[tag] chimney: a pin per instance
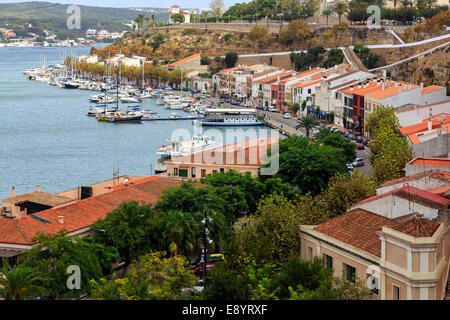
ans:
(38, 188)
(382, 86)
(13, 192)
(61, 219)
(421, 85)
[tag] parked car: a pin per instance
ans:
(346, 134)
(351, 136)
(197, 266)
(287, 115)
(349, 169)
(360, 146)
(199, 287)
(272, 109)
(208, 95)
(359, 139)
(358, 162)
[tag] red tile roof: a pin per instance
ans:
(243, 153)
(357, 228)
(176, 63)
(83, 213)
(413, 194)
(417, 227)
(430, 162)
(423, 126)
(431, 89)
(440, 190)
(437, 174)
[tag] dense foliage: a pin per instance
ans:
(309, 165)
(54, 254)
(151, 277)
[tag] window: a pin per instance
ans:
(328, 261)
(193, 172)
(310, 253)
(309, 91)
(214, 172)
(183, 173)
(203, 173)
(395, 292)
(175, 171)
(222, 170)
(349, 272)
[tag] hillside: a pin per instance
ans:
(53, 16)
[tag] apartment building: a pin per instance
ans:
(397, 241)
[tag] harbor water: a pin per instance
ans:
(46, 138)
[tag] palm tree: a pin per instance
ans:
(153, 20)
(20, 283)
(340, 8)
(429, 4)
(307, 123)
(147, 19)
(205, 16)
(405, 4)
(327, 13)
(181, 231)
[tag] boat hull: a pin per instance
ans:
(225, 124)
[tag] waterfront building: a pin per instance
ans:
(246, 156)
(22, 205)
(17, 234)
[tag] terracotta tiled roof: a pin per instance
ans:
(357, 228)
(440, 190)
(430, 162)
(81, 214)
(423, 126)
(44, 198)
(308, 83)
(413, 194)
(431, 89)
(243, 153)
(176, 63)
(417, 227)
(437, 174)
(391, 91)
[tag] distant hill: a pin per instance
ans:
(53, 16)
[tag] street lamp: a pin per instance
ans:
(206, 241)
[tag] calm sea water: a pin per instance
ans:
(47, 139)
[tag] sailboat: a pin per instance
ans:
(118, 116)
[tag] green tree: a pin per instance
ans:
(258, 34)
(296, 33)
(131, 228)
(177, 18)
(340, 8)
(308, 165)
(307, 123)
(343, 191)
(151, 277)
(294, 108)
(51, 258)
(382, 116)
(302, 275)
(230, 59)
(20, 283)
(334, 139)
(327, 13)
(271, 234)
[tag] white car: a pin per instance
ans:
(287, 115)
(272, 109)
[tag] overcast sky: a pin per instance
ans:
(139, 3)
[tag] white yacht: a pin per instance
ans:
(177, 148)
